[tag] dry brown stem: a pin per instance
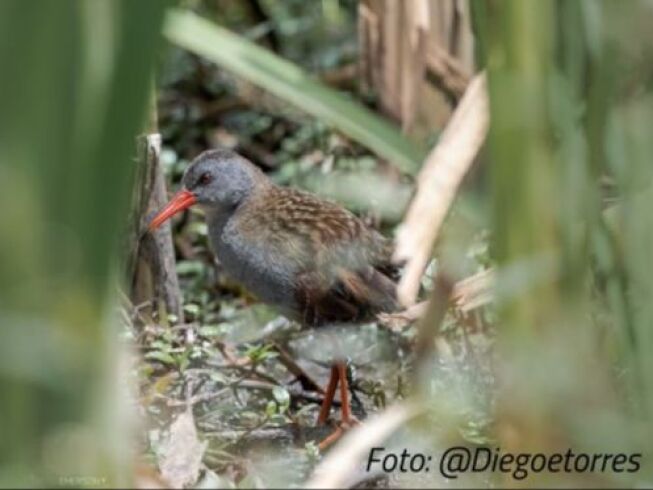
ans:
(437, 185)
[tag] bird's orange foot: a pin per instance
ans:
(343, 427)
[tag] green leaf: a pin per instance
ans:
(157, 355)
(199, 227)
(218, 377)
(259, 353)
(270, 408)
(160, 345)
(190, 267)
(281, 395)
(210, 330)
(192, 309)
(290, 83)
(278, 418)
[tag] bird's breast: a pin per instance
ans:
(263, 271)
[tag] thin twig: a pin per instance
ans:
(302, 376)
(294, 393)
(467, 295)
(474, 291)
(204, 397)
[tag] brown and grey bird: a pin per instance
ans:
(312, 259)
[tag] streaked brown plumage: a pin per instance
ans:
(338, 262)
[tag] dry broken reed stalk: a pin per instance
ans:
(437, 185)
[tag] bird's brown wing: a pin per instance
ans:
(350, 296)
(343, 267)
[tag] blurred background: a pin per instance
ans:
(504, 144)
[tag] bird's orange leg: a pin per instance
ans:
(345, 407)
(328, 396)
(347, 419)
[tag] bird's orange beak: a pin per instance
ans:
(182, 200)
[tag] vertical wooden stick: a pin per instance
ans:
(152, 262)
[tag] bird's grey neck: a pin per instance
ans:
(217, 218)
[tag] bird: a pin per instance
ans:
(312, 259)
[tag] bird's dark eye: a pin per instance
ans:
(205, 179)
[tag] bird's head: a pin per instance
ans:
(217, 180)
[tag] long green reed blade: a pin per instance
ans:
(290, 83)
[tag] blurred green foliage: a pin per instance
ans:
(75, 75)
(572, 108)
